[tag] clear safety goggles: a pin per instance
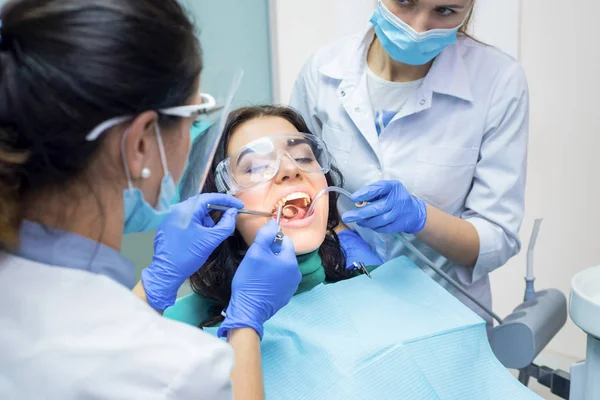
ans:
(260, 160)
(208, 106)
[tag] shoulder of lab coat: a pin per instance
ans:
(482, 75)
(306, 88)
(80, 335)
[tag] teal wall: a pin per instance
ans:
(235, 34)
(230, 40)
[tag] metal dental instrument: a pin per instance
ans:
(360, 267)
(290, 211)
(242, 211)
(279, 211)
(339, 190)
(278, 241)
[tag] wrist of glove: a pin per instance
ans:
(420, 216)
(161, 284)
(241, 316)
(357, 250)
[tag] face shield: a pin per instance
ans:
(211, 111)
(204, 145)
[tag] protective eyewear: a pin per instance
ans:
(260, 160)
(198, 111)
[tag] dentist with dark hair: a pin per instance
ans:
(97, 100)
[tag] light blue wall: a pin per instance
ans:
(233, 34)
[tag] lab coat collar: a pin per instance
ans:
(448, 74)
(68, 250)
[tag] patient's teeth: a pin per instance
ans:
(293, 196)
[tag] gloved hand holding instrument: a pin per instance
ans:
(178, 252)
(390, 209)
(264, 282)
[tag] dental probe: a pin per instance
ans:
(242, 211)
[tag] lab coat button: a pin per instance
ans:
(343, 93)
(422, 102)
(357, 109)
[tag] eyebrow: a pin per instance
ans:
(247, 151)
(447, 5)
(450, 6)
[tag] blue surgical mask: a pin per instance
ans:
(140, 216)
(406, 45)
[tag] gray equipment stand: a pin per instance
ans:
(526, 332)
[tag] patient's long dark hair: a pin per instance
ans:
(213, 280)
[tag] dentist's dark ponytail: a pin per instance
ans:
(68, 65)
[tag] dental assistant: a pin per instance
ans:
(431, 127)
(97, 99)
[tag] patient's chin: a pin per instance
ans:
(306, 242)
(309, 238)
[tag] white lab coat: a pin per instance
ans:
(460, 143)
(70, 334)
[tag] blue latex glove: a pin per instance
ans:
(179, 253)
(392, 209)
(357, 250)
(263, 283)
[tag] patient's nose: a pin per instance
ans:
(288, 171)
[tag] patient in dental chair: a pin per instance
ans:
(266, 158)
(399, 335)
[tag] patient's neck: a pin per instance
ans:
(312, 270)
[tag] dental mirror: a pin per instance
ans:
(290, 211)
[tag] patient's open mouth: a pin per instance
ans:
(294, 205)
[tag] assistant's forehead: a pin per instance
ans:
(445, 3)
(256, 129)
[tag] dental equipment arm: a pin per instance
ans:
(447, 278)
(412, 248)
